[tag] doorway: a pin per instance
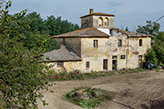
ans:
(114, 64)
(105, 64)
(140, 61)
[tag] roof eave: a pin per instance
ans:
(62, 60)
(83, 36)
(141, 36)
(97, 15)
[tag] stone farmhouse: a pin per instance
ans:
(98, 46)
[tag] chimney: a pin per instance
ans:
(91, 11)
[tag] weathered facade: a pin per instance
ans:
(100, 46)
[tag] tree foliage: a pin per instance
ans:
(57, 26)
(42, 41)
(150, 28)
(38, 32)
(159, 39)
(155, 54)
(21, 76)
(126, 29)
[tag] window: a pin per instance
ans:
(87, 64)
(119, 43)
(106, 21)
(59, 64)
(122, 56)
(140, 42)
(140, 56)
(95, 43)
(114, 57)
(111, 31)
(100, 21)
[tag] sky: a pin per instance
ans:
(128, 13)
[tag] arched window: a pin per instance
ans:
(100, 21)
(85, 24)
(106, 21)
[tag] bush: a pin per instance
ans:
(93, 99)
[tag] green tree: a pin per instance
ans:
(151, 56)
(159, 39)
(150, 28)
(35, 21)
(42, 42)
(159, 53)
(57, 26)
(21, 76)
(155, 54)
(126, 29)
(53, 25)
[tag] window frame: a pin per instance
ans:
(111, 31)
(140, 42)
(100, 21)
(60, 63)
(95, 43)
(105, 64)
(87, 64)
(119, 42)
(122, 56)
(114, 57)
(139, 56)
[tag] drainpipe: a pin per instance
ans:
(127, 53)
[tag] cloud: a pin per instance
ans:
(113, 4)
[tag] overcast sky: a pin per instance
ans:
(129, 13)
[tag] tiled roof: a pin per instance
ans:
(100, 14)
(86, 32)
(133, 34)
(65, 53)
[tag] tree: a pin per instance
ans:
(53, 25)
(150, 28)
(21, 75)
(159, 39)
(57, 26)
(159, 53)
(126, 29)
(35, 21)
(155, 54)
(42, 41)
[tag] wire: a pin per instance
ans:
(159, 18)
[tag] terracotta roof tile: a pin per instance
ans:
(100, 14)
(65, 53)
(133, 34)
(86, 32)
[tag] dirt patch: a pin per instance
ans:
(135, 91)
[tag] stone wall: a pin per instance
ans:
(107, 48)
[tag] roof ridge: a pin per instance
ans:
(98, 13)
(72, 31)
(129, 33)
(90, 31)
